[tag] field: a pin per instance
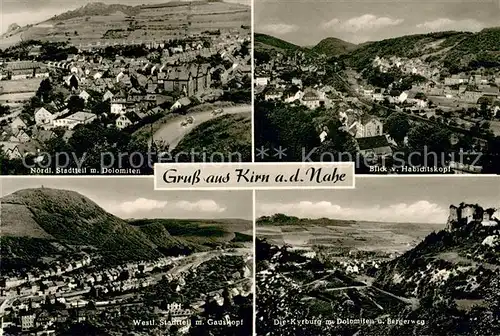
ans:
(366, 236)
(18, 91)
(22, 85)
(147, 24)
(14, 99)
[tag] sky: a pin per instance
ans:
(306, 22)
(134, 197)
(384, 199)
(25, 12)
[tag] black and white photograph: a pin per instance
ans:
(398, 87)
(123, 84)
(110, 256)
(395, 256)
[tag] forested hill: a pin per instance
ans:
(457, 51)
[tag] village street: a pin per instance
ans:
(172, 131)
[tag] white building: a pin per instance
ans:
(44, 117)
(78, 118)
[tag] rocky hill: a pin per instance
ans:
(12, 28)
(38, 223)
(458, 265)
(97, 9)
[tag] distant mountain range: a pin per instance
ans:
(457, 51)
(33, 220)
(330, 46)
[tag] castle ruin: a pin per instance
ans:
(466, 213)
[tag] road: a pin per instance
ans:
(172, 132)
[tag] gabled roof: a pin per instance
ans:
(366, 118)
(373, 142)
(132, 116)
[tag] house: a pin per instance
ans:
(466, 164)
(84, 95)
(119, 104)
(189, 79)
(124, 79)
(43, 135)
(492, 91)
(17, 150)
(290, 97)
(134, 95)
(78, 118)
(297, 82)
(374, 147)
(44, 117)
(27, 320)
(180, 103)
(323, 135)
(273, 94)
(366, 126)
(311, 99)
(18, 123)
(35, 51)
(107, 95)
(152, 84)
(21, 70)
(470, 96)
(127, 119)
(22, 136)
(402, 97)
(262, 80)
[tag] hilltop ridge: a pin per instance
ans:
(34, 219)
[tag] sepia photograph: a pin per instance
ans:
(122, 85)
(398, 87)
(395, 256)
(110, 256)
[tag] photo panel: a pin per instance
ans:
(113, 87)
(110, 256)
(398, 87)
(395, 256)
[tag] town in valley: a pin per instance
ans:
(70, 267)
(343, 264)
(418, 99)
(140, 83)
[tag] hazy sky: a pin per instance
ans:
(306, 22)
(25, 12)
(129, 197)
(387, 199)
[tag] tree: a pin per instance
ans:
(397, 126)
(433, 140)
(44, 90)
(73, 82)
(4, 110)
(76, 103)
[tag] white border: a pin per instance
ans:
(252, 91)
(427, 175)
(254, 275)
